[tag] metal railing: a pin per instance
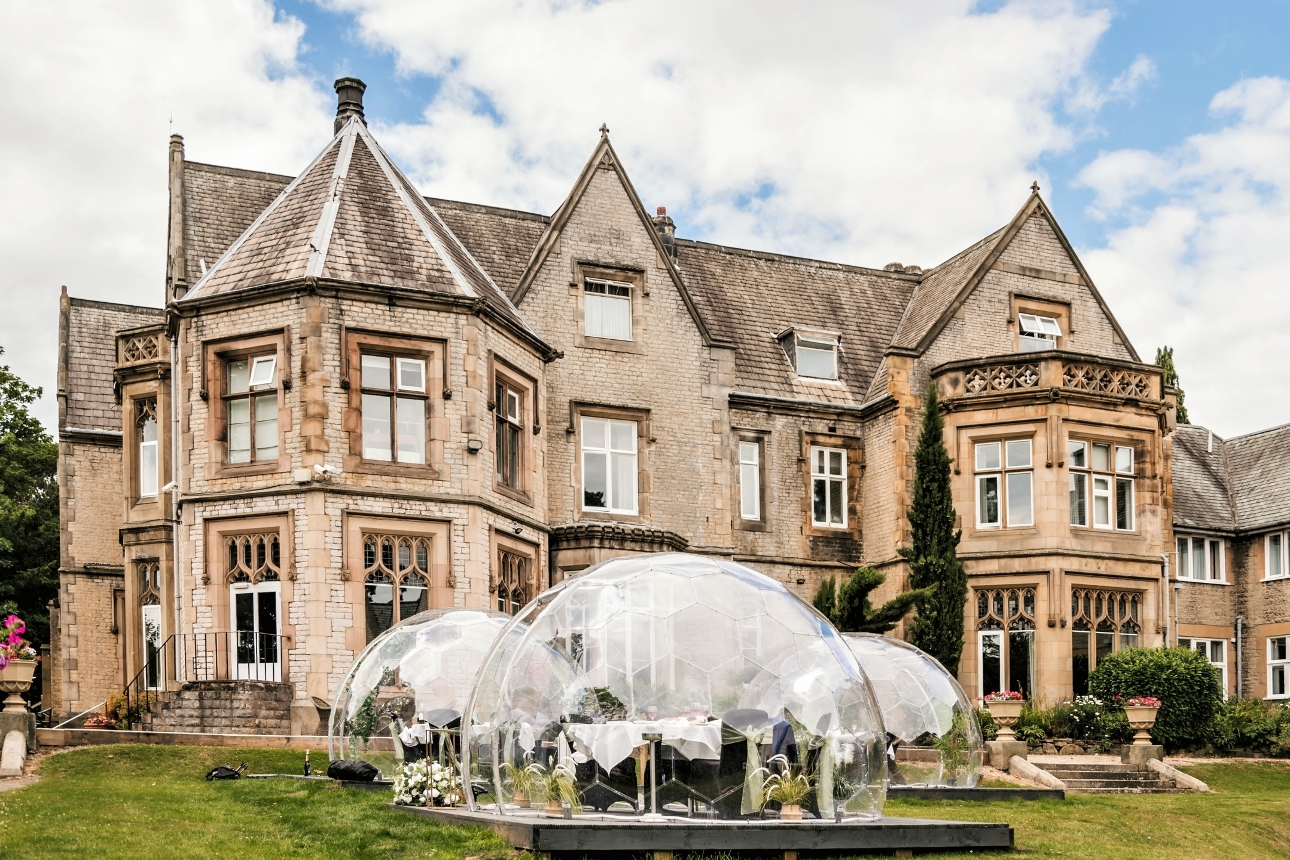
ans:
(219, 656)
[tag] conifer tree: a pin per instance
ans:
(1169, 374)
(935, 569)
(849, 608)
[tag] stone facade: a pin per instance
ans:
(726, 444)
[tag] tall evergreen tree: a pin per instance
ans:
(1165, 361)
(935, 569)
(849, 608)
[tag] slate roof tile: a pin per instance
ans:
(91, 359)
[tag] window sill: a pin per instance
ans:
(240, 470)
(396, 470)
(752, 525)
(1201, 581)
(609, 344)
(1275, 579)
(512, 493)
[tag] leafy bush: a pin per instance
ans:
(1032, 735)
(1184, 681)
(1053, 721)
(989, 729)
(1252, 724)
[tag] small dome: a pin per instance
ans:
(922, 706)
(421, 670)
(720, 665)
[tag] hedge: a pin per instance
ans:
(1186, 684)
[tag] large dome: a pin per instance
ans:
(715, 665)
(421, 670)
(925, 709)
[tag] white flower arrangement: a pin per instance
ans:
(426, 783)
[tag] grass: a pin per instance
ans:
(147, 801)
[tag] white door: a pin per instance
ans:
(151, 642)
(257, 649)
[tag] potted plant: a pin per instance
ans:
(954, 748)
(1005, 709)
(1141, 712)
(559, 785)
(787, 785)
(525, 781)
(17, 664)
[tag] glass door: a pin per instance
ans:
(151, 642)
(257, 654)
(990, 654)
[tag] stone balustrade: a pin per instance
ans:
(1048, 374)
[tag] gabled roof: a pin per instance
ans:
(604, 156)
(1260, 464)
(1240, 484)
(1201, 484)
(947, 286)
(352, 216)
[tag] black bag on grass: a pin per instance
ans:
(352, 771)
(226, 772)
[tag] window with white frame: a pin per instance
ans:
(146, 426)
(1276, 555)
(1101, 485)
(750, 480)
(817, 357)
(609, 465)
(1213, 650)
(829, 487)
(607, 309)
(251, 407)
(1201, 559)
(394, 403)
(1279, 667)
(1004, 484)
(1037, 333)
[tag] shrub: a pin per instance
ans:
(1252, 724)
(1033, 735)
(989, 729)
(1054, 722)
(1184, 681)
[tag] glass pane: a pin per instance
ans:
(1020, 506)
(608, 316)
(837, 462)
(991, 664)
(819, 501)
(1102, 458)
(262, 370)
(1124, 460)
(987, 455)
(239, 431)
(1124, 504)
(1216, 652)
(988, 500)
(1079, 661)
(380, 608)
(1105, 644)
(1184, 559)
(423, 555)
(376, 427)
(1077, 455)
(1019, 454)
(1216, 559)
(412, 430)
(815, 362)
(513, 407)
(817, 461)
(266, 427)
(376, 371)
(1279, 648)
(749, 491)
(624, 482)
(148, 432)
(1079, 500)
(148, 469)
(268, 615)
(1102, 502)
(1275, 561)
(1198, 559)
(1021, 662)
(837, 506)
(622, 435)
(387, 554)
(414, 597)
(1278, 680)
(412, 374)
(748, 452)
(244, 619)
(595, 433)
(512, 463)
(405, 554)
(1128, 640)
(595, 480)
(238, 376)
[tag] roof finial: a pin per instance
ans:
(604, 130)
(1034, 187)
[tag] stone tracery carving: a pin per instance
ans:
(1005, 609)
(253, 558)
(1004, 377)
(141, 347)
(1104, 380)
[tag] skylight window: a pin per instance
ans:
(1038, 333)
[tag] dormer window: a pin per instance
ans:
(1038, 333)
(814, 355)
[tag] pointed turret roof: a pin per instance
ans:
(352, 216)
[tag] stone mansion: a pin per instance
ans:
(357, 403)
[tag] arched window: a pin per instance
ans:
(1102, 622)
(393, 562)
(253, 558)
(513, 581)
(1005, 622)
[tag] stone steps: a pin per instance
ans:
(223, 707)
(1087, 778)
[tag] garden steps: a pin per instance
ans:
(223, 707)
(1097, 778)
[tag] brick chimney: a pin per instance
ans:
(349, 101)
(666, 231)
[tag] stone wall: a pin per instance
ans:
(90, 663)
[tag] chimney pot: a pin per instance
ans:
(662, 210)
(349, 102)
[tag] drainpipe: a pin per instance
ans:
(176, 580)
(1164, 558)
(1239, 637)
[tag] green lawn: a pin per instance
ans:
(145, 801)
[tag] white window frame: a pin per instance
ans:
(749, 480)
(1282, 552)
(1208, 652)
(1007, 476)
(823, 455)
(148, 477)
(1104, 484)
(407, 438)
(609, 452)
(262, 371)
(1279, 664)
(819, 344)
(981, 636)
(1037, 333)
(1186, 568)
(609, 302)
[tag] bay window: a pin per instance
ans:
(1102, 622)
(394, 407)
(1101, 485)
(1004, 484)
(609, 465)
(1005, 623)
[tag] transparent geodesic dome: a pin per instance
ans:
(417, 674)
(925, 710)
(714, 671)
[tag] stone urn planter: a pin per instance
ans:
(790, 812)
(1005, 714)
(15, 679)
(1141, 719)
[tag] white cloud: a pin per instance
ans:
(88, 95)
(1201, 258)
(1090, 96)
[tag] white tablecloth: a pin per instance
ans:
(610, 743)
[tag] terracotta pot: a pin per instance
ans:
(1142, 719)
(554, 807)
(1005, 714)
(521, 800)
(15, 679)
(790, 812)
